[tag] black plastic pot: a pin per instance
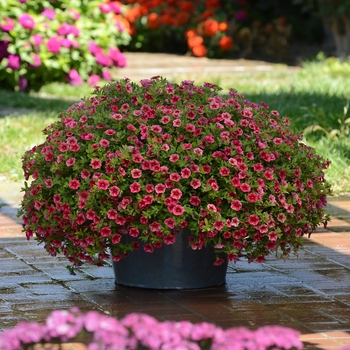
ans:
(175, 266)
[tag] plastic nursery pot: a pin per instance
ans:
(175, 266)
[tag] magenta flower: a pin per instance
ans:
(103, 60)
(102, 184)
(50, 14)
(94, 48)
(74, 78)
(36, 61)
(93, 79)
(135, 187)
(7, 25)
(106, 75)
(75, 15)
(74, 184)
(26, 21)
(36, 39)
(54, 44)
(14, 62)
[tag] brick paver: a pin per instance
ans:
(309, 293)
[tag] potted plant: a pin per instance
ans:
(162, 163)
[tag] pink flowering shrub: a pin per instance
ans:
(65, 40)
(147, 160)
(140, 331)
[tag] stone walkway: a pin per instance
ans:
(309, 293)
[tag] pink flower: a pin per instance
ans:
(26, 21)
(253, 197)
(268, 175)
(102, 184)
(236, 182)
(178, 210)
(136, 173)
(194, 200)
(74, 77)
(135, 187)
(195, 183)
(244, 187)
(273, 235)
(258, 167)
(236, 205)
(170, 222)
(74, 184)
(218, 225)
(112, 214)
(70, 161)
(148, 248)
(7, 25)
(175, 177)
(95, 163)
(224, 171)
(176, 193)
(281, 217)
(105, 231)
(174, 158)
(160, 188)
(104, 143)
(197, 151)
(170, 239)
(253, 220)
(155, 226)
(134, 232)
(185, 173)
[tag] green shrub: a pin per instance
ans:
(63, 40)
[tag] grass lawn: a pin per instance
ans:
(314, 95)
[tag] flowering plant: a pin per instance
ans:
(207, 28)
(147, 160)
(66, 40)
(140, 331)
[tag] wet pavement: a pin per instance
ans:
(309, 293)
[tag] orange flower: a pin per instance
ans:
(223, 26)
(199, 51)
(210, 26)
(153, 21)
(194, 41)
(226, 43)
(190, 33)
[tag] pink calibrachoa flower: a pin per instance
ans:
(74, 184)
(135, 187)
(102, 184)
(26, 21)
(178, 210)
(70, 161)
(148, 166)
(236, 205)
(95, 163)
(195, 183)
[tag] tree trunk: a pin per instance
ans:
(340, 28)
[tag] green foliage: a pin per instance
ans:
(333, 134)
(64, 40)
